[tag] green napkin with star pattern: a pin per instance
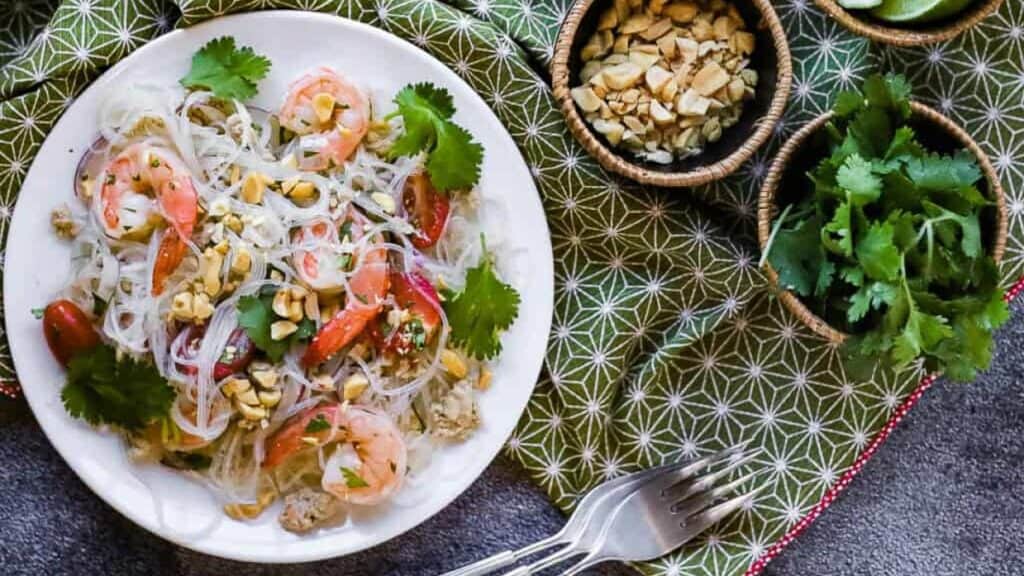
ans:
(665, 339)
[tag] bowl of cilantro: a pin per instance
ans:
(882, 223)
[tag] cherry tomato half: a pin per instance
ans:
(238, 353)
(416, 294)
(427, 208)
(68, 330)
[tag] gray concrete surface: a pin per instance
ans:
(944, 497)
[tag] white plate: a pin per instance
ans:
(37, 266)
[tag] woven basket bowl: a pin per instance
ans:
(796, 157)
(861, 22)
(771, 60)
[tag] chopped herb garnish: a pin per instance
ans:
(353, 480)
(344, 261)
(416, 332)
(38, 313)
(346, 229)
(318, 424)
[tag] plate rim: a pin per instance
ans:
(306, 553)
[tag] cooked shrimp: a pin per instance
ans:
(330, 116)
(323, 266)
(367, 287)
(297, 435)
(368, 462)
(366, 290)
(373, 454)
(139, 184)
(138, 181)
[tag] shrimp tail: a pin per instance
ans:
(169, 255)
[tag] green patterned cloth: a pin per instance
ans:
(665, 338)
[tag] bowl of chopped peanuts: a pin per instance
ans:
(671, 92)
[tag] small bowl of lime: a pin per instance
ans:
(909, 22)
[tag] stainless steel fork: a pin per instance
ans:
(662, 514)
(593, 508)
(584, 526)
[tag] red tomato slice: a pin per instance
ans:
(416, 294)
(68, 330)
(427, 208)
(237, 361)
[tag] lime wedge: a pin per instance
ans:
(918, 11)
(858, 4)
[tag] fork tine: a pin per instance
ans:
(694, 525)
(682, 490)
(693, 504)
(696, 466)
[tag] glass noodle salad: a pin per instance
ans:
(292, 304)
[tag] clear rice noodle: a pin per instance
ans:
(317, 247)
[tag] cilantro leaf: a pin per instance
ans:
(256, 314)
(847, 103)
(225, 70)
(904, 144)
(481, 311)
(872, 296)
(877, 254)
(937, 172)
(852, 275)
(453, 157)
(856, 177)
(798, 257)
(921, 333)
(455, 161)
(871, 130)
(890, 92)
(352, 479)
(104, 389)
(837, 234)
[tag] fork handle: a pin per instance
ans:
(546, 562)
(588, 561)
(506, 558)
(485, 566)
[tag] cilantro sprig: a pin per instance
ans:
(886, 242)
(453, 158)
(484, 308)
(104, 389)
(256, 314)
(227, 71)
